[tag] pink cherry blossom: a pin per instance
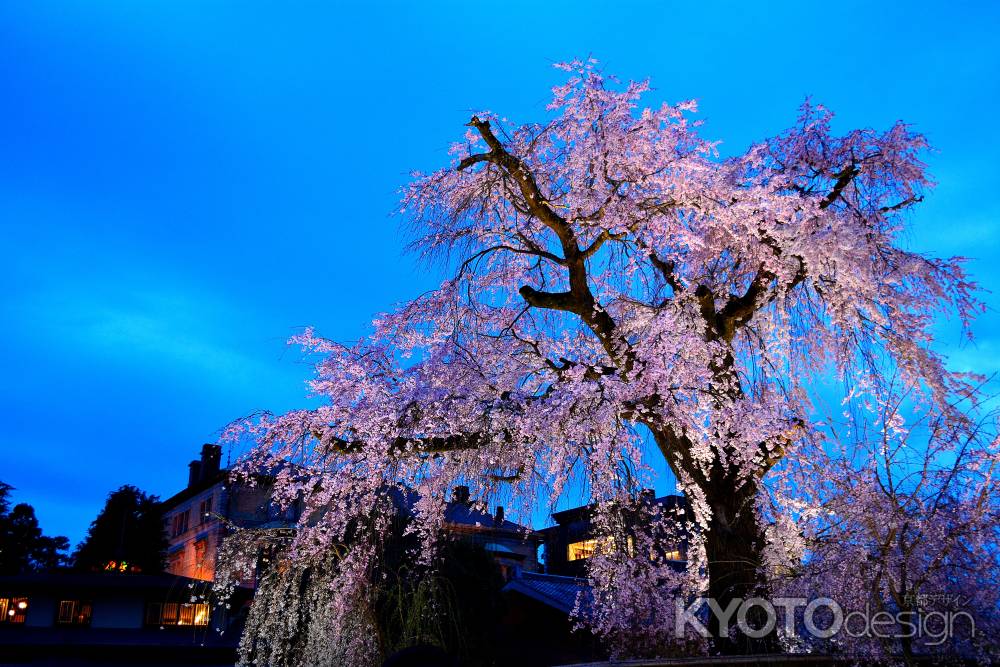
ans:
(610, 279)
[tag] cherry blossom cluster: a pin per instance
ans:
(611, 278)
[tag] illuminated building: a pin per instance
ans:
(195, 519)
(574, 538)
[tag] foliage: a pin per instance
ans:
(23, 547)
(127, 536)
(300, 610)
(613, 279)
(898, 514)
(456, 606)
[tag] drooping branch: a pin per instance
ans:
(535, 251)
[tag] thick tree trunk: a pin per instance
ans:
(734, 547)
(734, 544)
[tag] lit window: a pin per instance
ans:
(13, 610)
(187, 615)
(201, 614)
(203, 568)
(674, 555)
(74, 612)
(121, 566)
(173, 613)
(169, 616)
(200, 550)
(587, 548)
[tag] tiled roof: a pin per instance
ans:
(555, 591)
(459, 513)
(467, 515)
(66, 578)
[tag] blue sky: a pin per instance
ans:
(185, 184)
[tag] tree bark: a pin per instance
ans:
(734, 544)
(734, 538)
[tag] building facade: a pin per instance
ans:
(197, 518)
(574, 538)
(192, 518)
(69, 618)
(514, 547)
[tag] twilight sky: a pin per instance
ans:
(185, 184)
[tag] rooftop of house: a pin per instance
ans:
(585, 512)
(64, 579)
(207, 472)
(203, 473)
(555, 591)
(460, 513)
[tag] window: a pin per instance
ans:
(200, 552)
(74, 612)
(175, 562)
(180, 523)
(153, 611)
(201, 614)
(587, 548)
(205, 511)
(13, 610)
(186, 615)
(674, 554)
(173, 613)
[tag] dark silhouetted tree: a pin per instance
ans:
(126, 536)
(23, 547)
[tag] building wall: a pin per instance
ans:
(41, 612)
(192, 552)
(117, 611)
(575, 527)
(114, 600)
(557, 541)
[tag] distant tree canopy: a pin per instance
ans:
(127, 535)
(23, 547)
